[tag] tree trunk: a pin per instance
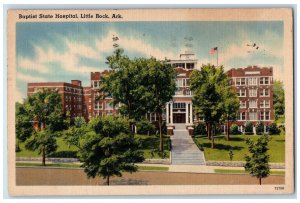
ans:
(44, 156)
(161, 144)
(212, 137)
(209, 130)
(227, 131)
(260, 181)
(107, 180)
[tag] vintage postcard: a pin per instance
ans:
(150, 101)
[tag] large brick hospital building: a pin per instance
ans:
(253, 85)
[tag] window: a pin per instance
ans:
(178, 92)
(252, 81)
(187, 82)
(261, 116)
(95, 83)
(241, 92)
(252, 103)
(108, 105)
(264, 81)
(190, 66)
(264, 92)
(252, 93)
(179, 106)
(267, 115)
(262, 104)
(90, 107)
(179, 83)
(241, 81)
(242, 104)
(243, 116)
(252, 116)
(188, 92)
(267, 103)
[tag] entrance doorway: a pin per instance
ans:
(178, 117)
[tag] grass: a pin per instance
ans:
(153, 168)
(229, 171)
(150, 144)
(140, 168)
(49, 165)
(237, 144)
(63, 150)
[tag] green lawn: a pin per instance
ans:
(226, 171)
(150, 144)
(239, 148)
(140, 168)
(63, 150)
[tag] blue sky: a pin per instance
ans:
(71, 50)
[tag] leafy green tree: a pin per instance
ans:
(258, 162)
(259, 128)
(249, 128)
(200, 129)
(231, 106)
(273, 129)
(44, 141)
(73, 135)
(145, 127)
(108, 148)
(278, 98)
(234, 129)
(23, 123)
(124, 85)
(159, 81)
(207, 86)
(43, 110)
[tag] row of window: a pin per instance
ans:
(69, 107)
(253, 92)
(253, 104)
(253, 116)
(182, 82)
(69, 98)
(96, 83)
(252, 81)
(70, 89)
(184, 65)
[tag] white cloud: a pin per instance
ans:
(29, 78)
(28, 64)
(133, 45)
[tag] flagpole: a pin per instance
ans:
(217, 56)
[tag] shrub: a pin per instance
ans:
(144, 126)
(234, 130)
(249, 128)
(200, 129)
(273, 129)
(259, 128)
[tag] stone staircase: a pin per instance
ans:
(184, 150)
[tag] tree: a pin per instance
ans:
(278, 98)
(258, 162)
(43, 110)
(249, 128)
(73, 135)
(273, 129)
(207, 86)
(44, 141)
(259, 128)
(108, 148)
(140, 85)
(160, 85)
(23, 123)
(234, 129)
(124, 85)
(231, 106)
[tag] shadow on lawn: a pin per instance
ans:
(222, 146)
(64, 154)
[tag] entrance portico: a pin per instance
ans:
(179, 112)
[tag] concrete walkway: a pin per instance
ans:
(184, 150)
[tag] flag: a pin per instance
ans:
(212, 50)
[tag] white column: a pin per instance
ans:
(191, 113)
(186, 113)
(167, 113)
(171, 113)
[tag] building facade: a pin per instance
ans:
(180, 109)
(72, 94)
(254, 88)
